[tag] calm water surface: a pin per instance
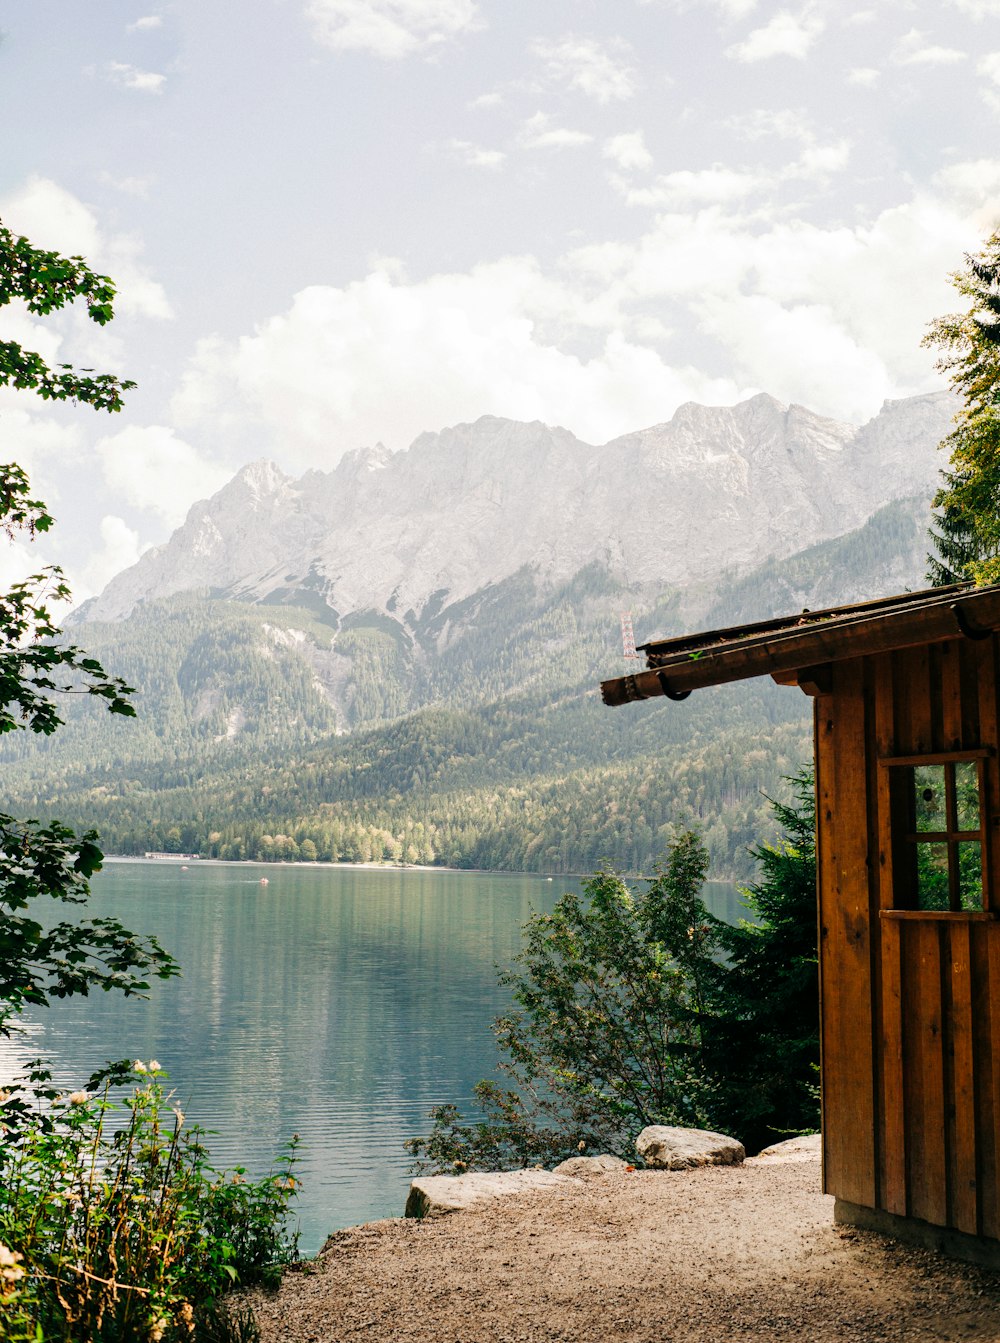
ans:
(336, 1003)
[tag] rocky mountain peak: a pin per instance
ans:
(714, 489)
(256, 481)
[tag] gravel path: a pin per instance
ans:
(705, 1256)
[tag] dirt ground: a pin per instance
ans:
(703, 1256)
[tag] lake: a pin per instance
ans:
(337, 1003)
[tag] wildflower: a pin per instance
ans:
(138, 1066)
(461, 1165)
(581, 1147)
(5, 1096)
(157, 1329)
(78, 1098)
(154, 1065)
(178, 1115)
(185, 1316)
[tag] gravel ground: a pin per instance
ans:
(704, 1256)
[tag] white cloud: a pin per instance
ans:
(787, 34)
(44, 336)
(157, 471)
(537, 133)
(829, 316)
(736, 9)
(486, 100)
(860, 18)
(978, 9)
(989, 65)
(390, 29)
(144, 24)
(784, 123)
(379, 360)
(30, 436)
(724, 185)
(600, 70)
(628, 151)
(974, 188)
(18, 561)
(914, 49)
(131, 77)
(56, 219)
(865, 75)
(120, 548)
(128, 186)
(704, 186)
(815, 350)
(819, 161)
(476, 156)
(731, 9)
(815, 160)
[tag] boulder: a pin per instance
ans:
(437, 1195)
(807, 1148)
(586, 1167)
(665, 1148)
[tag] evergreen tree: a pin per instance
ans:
(763, 1045)
(966, 532)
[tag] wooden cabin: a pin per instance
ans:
(906, 695)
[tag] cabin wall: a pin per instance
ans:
(910, 1001)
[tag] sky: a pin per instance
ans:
(340, 222)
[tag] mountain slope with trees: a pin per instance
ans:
(487, 749)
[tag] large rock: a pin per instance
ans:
(807, 1148)
(665, 1148)
(586, 1167)
(437, 1195)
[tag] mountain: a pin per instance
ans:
(264, 733)
(414, 534)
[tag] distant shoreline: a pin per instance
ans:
(181, 861)
(187, 860)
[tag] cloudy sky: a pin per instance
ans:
(335, 222)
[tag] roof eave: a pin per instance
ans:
(789, 649)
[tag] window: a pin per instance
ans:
(938, 831)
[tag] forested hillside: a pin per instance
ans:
(476, 738)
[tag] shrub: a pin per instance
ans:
(606, 1036)
(114, 1227)
(638, 1007)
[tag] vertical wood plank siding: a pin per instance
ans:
(845, 929)
(910, 1019)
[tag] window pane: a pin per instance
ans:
(967, 794)
(932, 876)
(970, 875)
(929, 808)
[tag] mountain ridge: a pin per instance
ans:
(712, 490)
(264, 733)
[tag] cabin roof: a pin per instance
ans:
(794, 649)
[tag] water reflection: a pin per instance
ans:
(337, 1003)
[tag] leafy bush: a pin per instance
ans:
(607, 1033)
(637, 1006)
(114, 1227)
